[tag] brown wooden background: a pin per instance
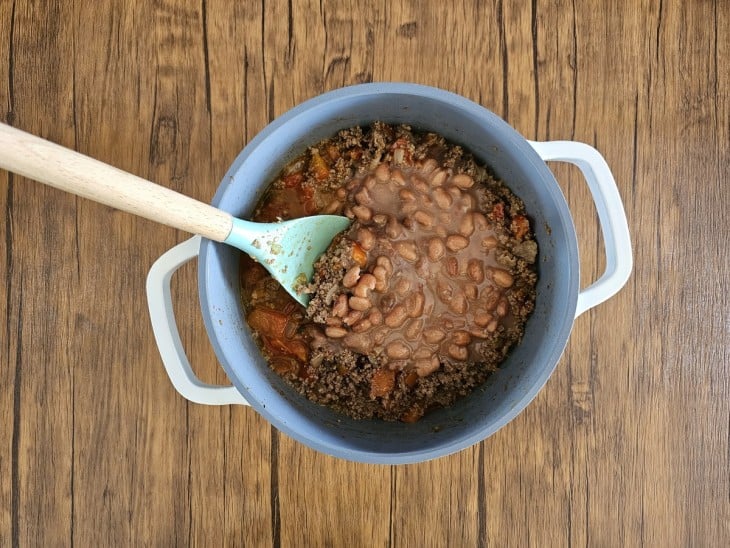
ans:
(627, 445)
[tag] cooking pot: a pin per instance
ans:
(520, 163)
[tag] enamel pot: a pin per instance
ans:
(519, 162)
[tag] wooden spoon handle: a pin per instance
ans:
(65, 169)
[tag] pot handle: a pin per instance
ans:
(611, 216)
(167, 336)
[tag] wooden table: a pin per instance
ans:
(627, 445)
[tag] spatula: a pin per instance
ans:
(286, 249)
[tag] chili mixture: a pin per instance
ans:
(420, 299)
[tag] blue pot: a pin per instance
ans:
(521, 164)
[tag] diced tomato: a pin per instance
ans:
(413, 414)
(520, 226)
(271, 325)
(293, 180)
(411, 379)
(382, 383)
(268, 322)
(319, 167)
(498, 211)
(359, 255)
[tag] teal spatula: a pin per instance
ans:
(286, 249)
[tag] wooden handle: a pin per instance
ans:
(65, 169)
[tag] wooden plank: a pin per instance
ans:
(628, 442)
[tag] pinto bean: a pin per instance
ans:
(428, 166)
(363, 213)
(466, 226)
(490, 299)
(380, 219)
(382, 172)
(502, 278)
(502, 307)
(362, 326)
(340, 308)
(490, 242)
(360, 303)
(438, 177)
(393, 228)
(423, 218)
(351, 277)
(365, 286)
(413, 329)
(397, 178)
(398, 350)
(458, 304)
(375, 317)
(363, 197)
(335, 332)
(442, 198)
(480, 221)
(414, 304)
(451, 265)
(386, 263)
(402, 286)
(456, 242)
(352, 317)
(381, 278)
(433, 335)
(471, 291)
(332, 207)
(462, 180)
(458, 352)
(419, 184)
(461, 337)
(365, 238)
(396, 317)
(406, 195)
(444, 291)
(475, 270)
(359, 342)
(407, 250)
(482, 318)
(426, 366)
(435, 249)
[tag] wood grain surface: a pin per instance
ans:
(627, 445)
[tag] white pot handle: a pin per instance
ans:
(166, 334)
(611, 216)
